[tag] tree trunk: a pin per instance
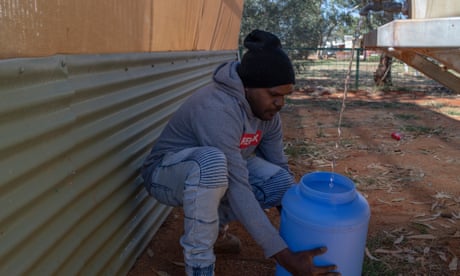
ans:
(382, 75)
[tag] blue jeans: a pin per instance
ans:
(196, 178)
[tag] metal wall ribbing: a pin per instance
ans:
(74, 130)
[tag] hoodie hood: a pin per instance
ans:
(226, 79)
(226, 75)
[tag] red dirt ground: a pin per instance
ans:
(412, 185)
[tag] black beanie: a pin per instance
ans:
(265, 64)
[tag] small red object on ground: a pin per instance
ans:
(396, 136)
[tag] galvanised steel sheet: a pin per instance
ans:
(74, 130)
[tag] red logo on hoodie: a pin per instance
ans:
(250, 139)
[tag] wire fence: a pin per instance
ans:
(328, 68)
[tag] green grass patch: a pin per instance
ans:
(307, 103)
(452, 112)
(403, 89)
(320, 133)
(421, 228)
(396, 105)
(375, 267)
(434, 105)
(347, 143)
(297, 150)
(421, 130)
(407, 117)
(345, 124)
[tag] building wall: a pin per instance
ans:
(34, 28)
(85, 89)
(74, 130)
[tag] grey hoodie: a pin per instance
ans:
(219, 115)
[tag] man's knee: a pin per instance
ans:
(205, 189)
(276, 187)
(213, 167)
(207, 183)
(284, 180)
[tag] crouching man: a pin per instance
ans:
(221, 158)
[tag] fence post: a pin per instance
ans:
(358, 50)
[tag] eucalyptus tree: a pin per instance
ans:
(300, 23)
(377, 13)
(304, 24)
(294, 21)
(260, 14)
(339, 18)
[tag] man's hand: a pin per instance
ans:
(301, 263)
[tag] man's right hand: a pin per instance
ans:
(301, 263)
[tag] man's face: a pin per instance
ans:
(266, 102)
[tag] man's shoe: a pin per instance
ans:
(227, 244)
(199, 271)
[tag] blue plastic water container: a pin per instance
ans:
(316, 213)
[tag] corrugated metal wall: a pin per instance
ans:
(74, 131)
